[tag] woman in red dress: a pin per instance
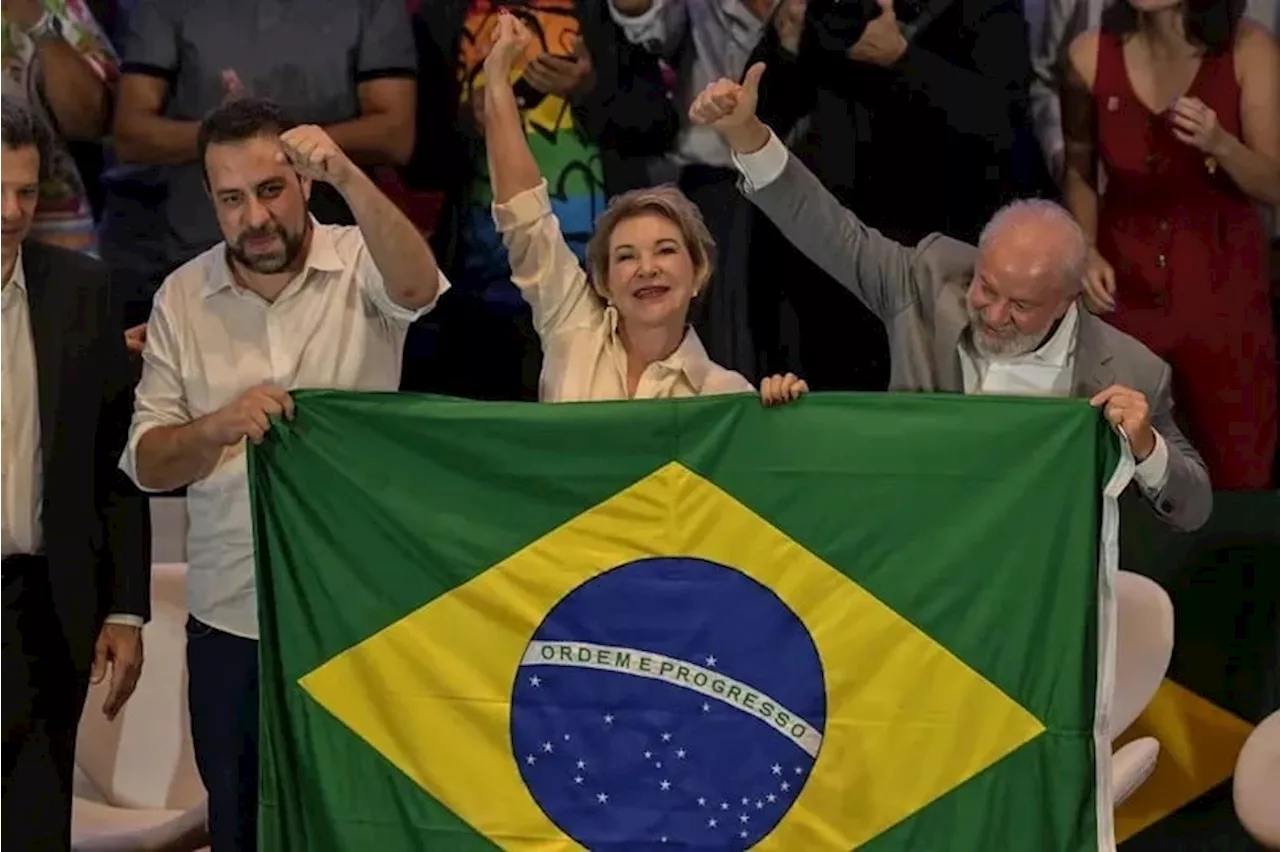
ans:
(1180, 101)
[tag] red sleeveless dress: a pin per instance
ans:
(1191, 267)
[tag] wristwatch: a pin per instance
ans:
(48, 28)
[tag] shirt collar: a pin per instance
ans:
(18, 278)
(322, 257)
(17, 284)
(1058, 348)
(690, 357)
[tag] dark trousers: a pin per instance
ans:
(223, 692)
(44, 692)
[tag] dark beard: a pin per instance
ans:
(271, 263)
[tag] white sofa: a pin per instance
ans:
(138, 772)
(1144, 648)
(1256, 788)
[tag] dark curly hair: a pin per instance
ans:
(20, 128)
(238, 120)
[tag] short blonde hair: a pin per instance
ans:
(667, 201)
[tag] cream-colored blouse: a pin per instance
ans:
(583, 356)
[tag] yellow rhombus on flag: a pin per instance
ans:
(856, 623)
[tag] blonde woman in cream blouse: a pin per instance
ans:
(622, 332)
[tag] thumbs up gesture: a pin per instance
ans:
(882, 42)
(730, 108)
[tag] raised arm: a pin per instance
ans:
(542, 265)
(879, 271)
(409, 275)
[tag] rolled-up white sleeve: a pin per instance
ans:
(161, 397)
(374, 288)
(763, 167)
(1152, 472)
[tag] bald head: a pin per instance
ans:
(1039, 239)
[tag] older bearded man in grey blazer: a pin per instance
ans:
(998, 318)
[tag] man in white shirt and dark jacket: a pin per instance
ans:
(620, 116)
(912, 112)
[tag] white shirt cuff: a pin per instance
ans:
(1152, 472)
(764, 166)
(125, 619)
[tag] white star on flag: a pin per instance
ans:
(531, 760)
(666, 738)
(680, 753)
(582, 764)
(602, 797)
(711, 661)
(548, 748)
(665, 785)
(777, 770)
(535, 681)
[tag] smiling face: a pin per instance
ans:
(652, 274)
(1022, 281)
(261, 203)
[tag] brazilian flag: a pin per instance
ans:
(879, 622)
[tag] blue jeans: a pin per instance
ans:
(223, 693)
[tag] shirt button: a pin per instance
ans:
(1164, 225)
(1161, 261)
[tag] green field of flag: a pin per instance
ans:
(858, 621)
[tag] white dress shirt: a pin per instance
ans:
(210, 340)
(23, 485)
(584, 356)
(1048, 371)
(21, 469)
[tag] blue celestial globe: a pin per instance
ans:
(668, 703)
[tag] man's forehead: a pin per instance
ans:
(21, 164)
(1006, 257)
(245, 164)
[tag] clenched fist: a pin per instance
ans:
(312, 154)
(247, 417)
(730, 108)
(1128, 411)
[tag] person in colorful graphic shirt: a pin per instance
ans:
(594, 109)
(60, 64)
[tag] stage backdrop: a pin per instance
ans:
(854, 622)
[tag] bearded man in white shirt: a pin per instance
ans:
(998, 318)
(283, 303)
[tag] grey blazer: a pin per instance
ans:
(919, 294)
